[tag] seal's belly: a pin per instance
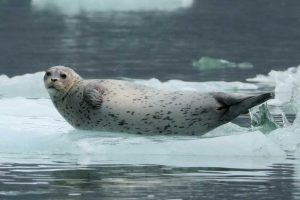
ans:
(148, 114)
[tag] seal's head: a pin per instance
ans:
(59, 80)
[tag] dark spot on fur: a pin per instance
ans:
(157, 115)
(166, 127)
(167, 118)
(112, 115)
(204, 111)
(192, 123)
(122, 122)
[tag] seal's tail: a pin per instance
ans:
(234, 105)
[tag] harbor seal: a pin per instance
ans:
(122, 106)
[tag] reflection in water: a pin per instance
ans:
(147, 181)
(73, 7)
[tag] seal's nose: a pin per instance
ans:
(53, 79)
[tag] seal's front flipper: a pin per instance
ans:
(93, 96)
(233, 105)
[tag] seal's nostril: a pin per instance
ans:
(53, 79)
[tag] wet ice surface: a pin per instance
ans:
(41, 156)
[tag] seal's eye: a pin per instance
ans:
(63, 76)
(48, 73)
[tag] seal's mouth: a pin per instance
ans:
(51, 87)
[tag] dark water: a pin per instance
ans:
(146, 44)
(66, 181)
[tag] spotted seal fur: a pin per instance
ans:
(122, 106)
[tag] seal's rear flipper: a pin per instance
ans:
(234, 105)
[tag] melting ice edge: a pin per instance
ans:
(31, 128)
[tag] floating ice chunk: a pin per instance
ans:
(16, 141)
(34, 126)
(247, 144)
(74, 7)
(226, 130)
(32, 115)
(207, 63)
(262, 120)
(286, 84)
(287, 138)
(28, 85)
(211, 86)
(274, 76)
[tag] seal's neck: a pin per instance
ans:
(74, 84)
